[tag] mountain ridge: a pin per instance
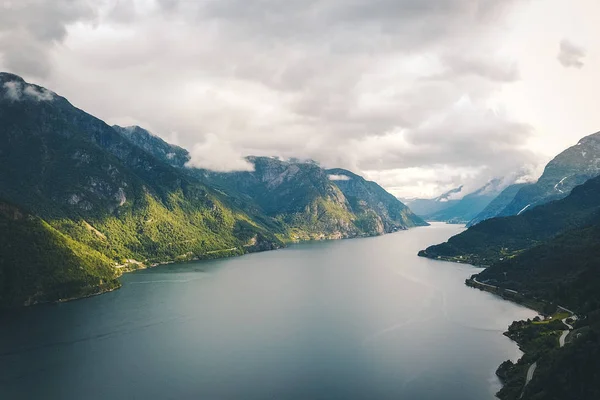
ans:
(570, 168)
(259, 190)
(502, 237)
(115, 199)
(448, 208)
(273, 186)
(498, 203)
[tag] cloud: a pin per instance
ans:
(489, 68)
(570, 55)
(168, 5)
(18, 91)
(464, 135)
(334, 177)
(217, 155)
(29, 29)
(369, 85)
(13, 91)
(36, 94)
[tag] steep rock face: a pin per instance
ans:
(570, 168)
(498, 204)
(92, 185)
(372, 204)
(299, 195)
(304, 198)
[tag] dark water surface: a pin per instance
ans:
(351, 319)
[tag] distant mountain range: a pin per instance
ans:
(497, 205)
(426, 207)
(81, 201)
(570, 168)
(455, 206)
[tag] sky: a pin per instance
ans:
(419, 95)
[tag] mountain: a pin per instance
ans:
(425, 207)
(570, 168)
(498, 204)
(449, 208)
(286, 190)
(81, 201)
(314, 203)
(364, 208)
(546, 257)
(168, 153)
(563, 270)
(499, 238)
(88, 183)
(39, 263)
(463, 210)
(373, 205)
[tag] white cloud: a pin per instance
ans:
(334, 177)
(452, 89)
(17, 91)
(570, 55)
(38, 94)
(13, 90)
(217, 155)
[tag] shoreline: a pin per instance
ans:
(508, 295)
(505, 294)
(121, 269)
(511, 373)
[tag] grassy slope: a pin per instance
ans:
(40, 264)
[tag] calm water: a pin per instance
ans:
(352, 319)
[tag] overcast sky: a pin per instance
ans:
(419, 95)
